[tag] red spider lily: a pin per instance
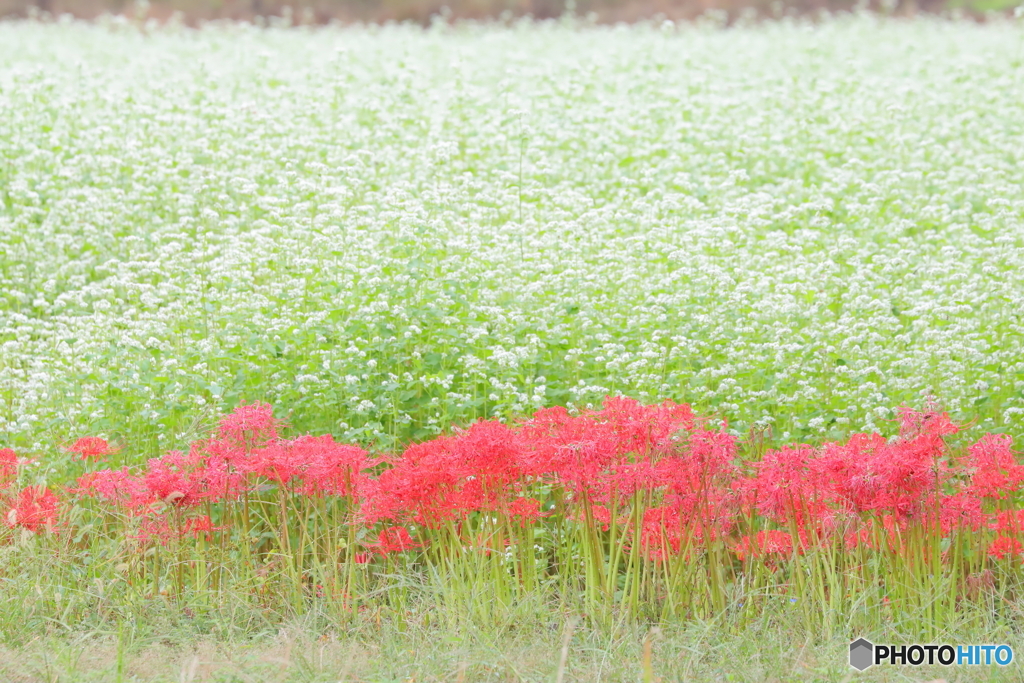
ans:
(861, 535)
(115, 486)
(1004, 547)
(490, 452)
(168, 480)
(868, 473)
(704, 516)
(1009, 522)
(540, 434)
(625, 479)
(994, 468)
(764, 544)
(784, 488)
(961, 512)
(848, 472)
(526, 510)
(587, 453)
(661, 533)
(931, 423)
(698, 485)
(644, 429)
(610, 464)
(322, 465)
(449, 477)
(911, 472)
(573, 451)
(8, 466)
(165, 527)
(219, 468)
(419, 486)
(707, 457)
(223, 450)
(332, 468)
(185, 480)
(91, 448)
(599, 515)
(250, 426)
(34, 508)
(394, 539)
(817, 488)
(202, 525)
(275, 461)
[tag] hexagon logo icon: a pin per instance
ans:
(862, 654)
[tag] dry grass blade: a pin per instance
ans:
(563, 658)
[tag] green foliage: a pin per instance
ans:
(983, 6)
(90, 631)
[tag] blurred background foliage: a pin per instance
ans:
(423, 11)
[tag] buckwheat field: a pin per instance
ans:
(388, 231)
(408, 241)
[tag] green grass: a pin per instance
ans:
(982, 6)
(170, 645)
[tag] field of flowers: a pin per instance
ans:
(569, 332)
(618, 517)
(384, 232)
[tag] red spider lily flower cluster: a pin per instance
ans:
(90, 448)
(33, 508)
(394, 539)
(662, 481)
(241, 459)
(1005, 546)
(8, 466)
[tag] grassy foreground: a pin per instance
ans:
(535, 650)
